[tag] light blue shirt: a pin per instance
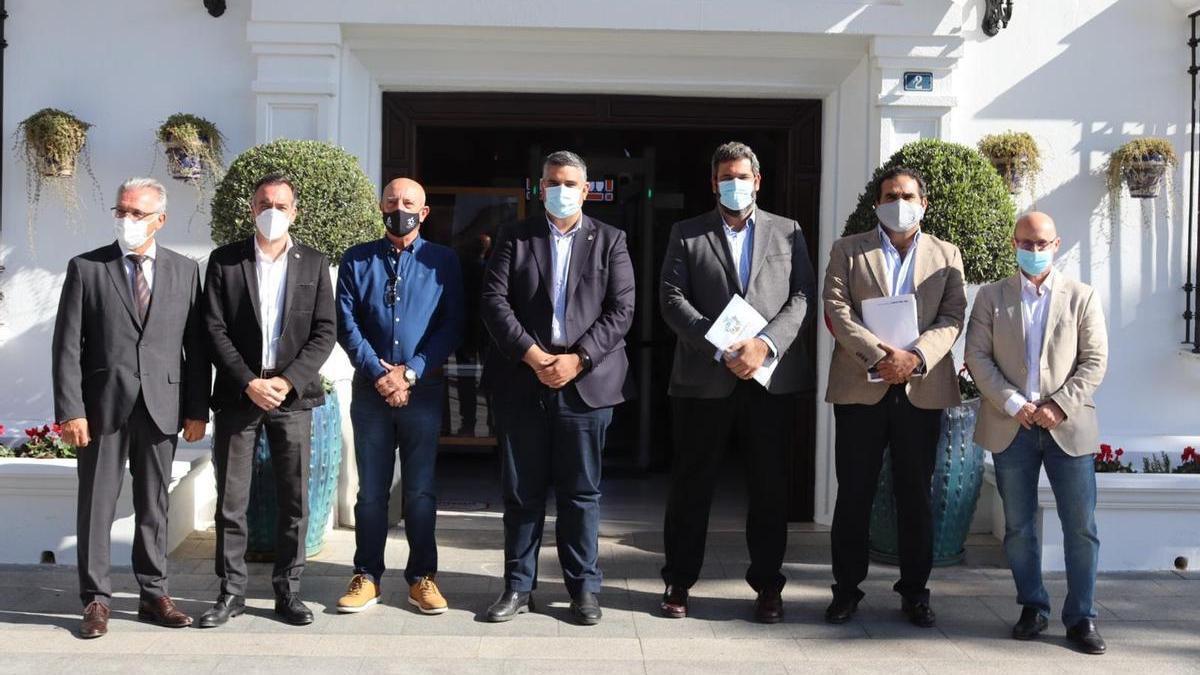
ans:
(899, 269)
(560, 264)
(741, 245)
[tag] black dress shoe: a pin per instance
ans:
(1084, 637)
(768, 607)
(841, 609)
(292, 610)
(585, 607)
(674, 603)
(1030, 625)
(227, 607)
(919, 612)
(510, 604)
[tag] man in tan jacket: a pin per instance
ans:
(1037, 349)
(890, 395)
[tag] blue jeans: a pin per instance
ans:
(1073, 480)
(379, 430)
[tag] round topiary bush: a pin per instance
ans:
(337, 208)
(969, 205)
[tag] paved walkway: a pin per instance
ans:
(1150, 620)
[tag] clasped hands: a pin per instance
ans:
(1046, 414)
(267, 393)
(392, 386)
(898, 365)
(553, 370)
(744, 357)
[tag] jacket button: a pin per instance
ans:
(137, 376)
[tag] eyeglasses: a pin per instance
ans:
(137, 215)
(389, 293)
(1035, 245)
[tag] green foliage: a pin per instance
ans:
(1137, 150)
(1011, 146)
(52, 135)
(338, 207)
(969, 205)
(1160, 463)
(194, 132)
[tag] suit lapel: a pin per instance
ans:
(1058, 298)
(250, 275)
(120, 278)
(581, 248)
(922, 267)
(872, 252)
(1010, 298)
(759, 234)
(716, 238)
(539, 241)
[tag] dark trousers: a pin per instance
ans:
(101, 468)
(551, 438)
(762, 426)
(863, 432)
(289, 434)
(379, 430)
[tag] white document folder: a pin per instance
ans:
(893, 320)
(740, 321)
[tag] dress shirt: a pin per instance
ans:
(899, 269)
(425, 323)
(147, 266)
(741, 247)
(560, 263)
(1035, 305)
(272, 287)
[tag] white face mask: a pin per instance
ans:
(272, 224)
(900, 215)
(563, 201)
(132, 233)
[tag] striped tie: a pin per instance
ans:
(141, 288)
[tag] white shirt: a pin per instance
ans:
(899, 269)
(147, 266)
(272, 285)
(1035, 305)
(560, 264)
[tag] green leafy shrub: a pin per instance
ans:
(338, 206)
(969, 205)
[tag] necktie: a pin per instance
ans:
(141, 288)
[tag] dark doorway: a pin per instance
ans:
(479, 155)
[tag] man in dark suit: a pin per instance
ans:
(129, 371)
(736, 249)
(558, 299)
(270, 319)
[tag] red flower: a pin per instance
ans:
(2, 429)
(32, 432)
(45, 429)
(1120, 451)
(56, 428)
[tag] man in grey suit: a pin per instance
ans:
(736, 249)
(129, 370)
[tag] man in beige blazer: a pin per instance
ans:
(1037, 349)
(886, 395)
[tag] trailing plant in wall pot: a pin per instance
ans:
(194, 148)
(1142, 165)
(53, 143)
(1016, 157)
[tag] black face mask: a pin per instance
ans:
(400, 222)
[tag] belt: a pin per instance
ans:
(556, 350)
(268, 373)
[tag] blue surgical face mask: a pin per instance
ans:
(736, 194)
(1034, 263)
(563, 201)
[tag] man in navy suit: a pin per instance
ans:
(558, 298)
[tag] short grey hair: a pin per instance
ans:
(731, 151)
(141, 183)
(564, 158)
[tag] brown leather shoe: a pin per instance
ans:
(95, 620)
(768, 607)
(674, 603)
(163, 612)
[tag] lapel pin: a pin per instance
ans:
(591, 237)
(296, 256)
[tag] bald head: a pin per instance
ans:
(403, 193)
(1036, 225)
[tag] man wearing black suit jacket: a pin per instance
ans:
(558, 298)
(270, 319)
(129, 370)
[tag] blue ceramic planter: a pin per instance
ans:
(323, 468)
(957, 479)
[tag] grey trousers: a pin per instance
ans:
(289, 433)
(101, 467)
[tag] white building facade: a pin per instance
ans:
(1083, 76)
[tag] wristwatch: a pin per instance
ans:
(584, 360)
(410, 376)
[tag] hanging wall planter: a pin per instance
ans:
(1142, 165)
(53, 144)
(193, 147)
(1016, 157)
